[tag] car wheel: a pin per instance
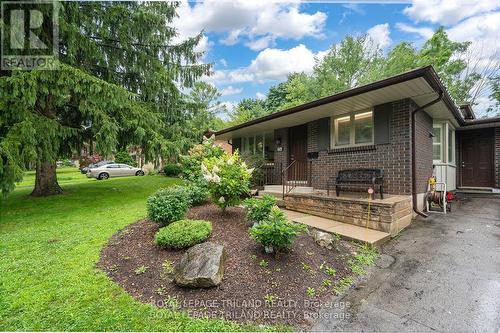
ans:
(139, 173)
(103, 176)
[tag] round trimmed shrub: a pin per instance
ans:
(183, 233)
(172, 170)
(168, 205)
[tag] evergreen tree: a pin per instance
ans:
(105, 48)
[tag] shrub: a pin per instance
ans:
(172, 170)
(183, 233)
(168, 205)
(197, 192)
(258, 209)
(191, 163)
(275, 232)
(124, 157)
(228, 179)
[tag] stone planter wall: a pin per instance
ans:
(390, 215)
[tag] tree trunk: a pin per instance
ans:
(46, 180)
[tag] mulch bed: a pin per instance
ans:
(242, 293)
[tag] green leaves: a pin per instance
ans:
(46, 115)
(276, 231)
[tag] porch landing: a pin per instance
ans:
(349, 231)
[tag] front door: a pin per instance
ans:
(477, 158)
(297, 143)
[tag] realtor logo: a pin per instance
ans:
(29, 35)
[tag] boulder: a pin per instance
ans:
(323, 239)
(202, 266)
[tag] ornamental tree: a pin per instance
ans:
(120, 80)
(228, 179)
(46, 115)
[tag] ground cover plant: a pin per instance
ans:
(49, 249)
(182, 234)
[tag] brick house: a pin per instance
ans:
(407, 125)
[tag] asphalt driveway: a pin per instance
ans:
(441, 274)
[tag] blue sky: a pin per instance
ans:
(254, 44)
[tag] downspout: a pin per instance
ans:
(413, 152)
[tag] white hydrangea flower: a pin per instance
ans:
(244, 165)
(222, 200)
(208, 177)
(204, 168)
(230, 161)
(250, 171)
(216, 179)
(216, 169)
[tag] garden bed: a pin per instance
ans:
(251, 277)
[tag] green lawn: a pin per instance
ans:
(49, 248)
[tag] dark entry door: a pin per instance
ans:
(477, 159)
(297, 143)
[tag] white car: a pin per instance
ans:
(114, 170)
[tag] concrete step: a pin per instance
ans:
(349, 231)
(477, 190)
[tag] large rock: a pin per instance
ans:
(323, 239)
(201, 266)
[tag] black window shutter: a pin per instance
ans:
(382, 123)
(323, 134)
(237, 144)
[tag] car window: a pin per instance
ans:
(113, 166)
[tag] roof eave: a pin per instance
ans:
(427, 72)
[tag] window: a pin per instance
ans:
(353, 130)
(343, 130)
(363, 128)
(451, 145)
(437, 143)
(262, 144)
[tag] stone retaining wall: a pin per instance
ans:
(391, 215)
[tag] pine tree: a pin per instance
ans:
(118, 84)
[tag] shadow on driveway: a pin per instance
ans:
(441, 274)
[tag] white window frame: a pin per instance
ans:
(440, 143)
(446, 129)
(245, 143)
(352, 130)
(451, 129)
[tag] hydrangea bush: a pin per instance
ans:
(228, 179)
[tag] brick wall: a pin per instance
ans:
(497, 157)
(312, 136)
(394, 158)
(423, 149)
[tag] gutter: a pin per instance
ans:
(413, 151)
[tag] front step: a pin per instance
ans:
(475, 190)
(345, 230)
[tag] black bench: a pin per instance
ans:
(358, 178)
